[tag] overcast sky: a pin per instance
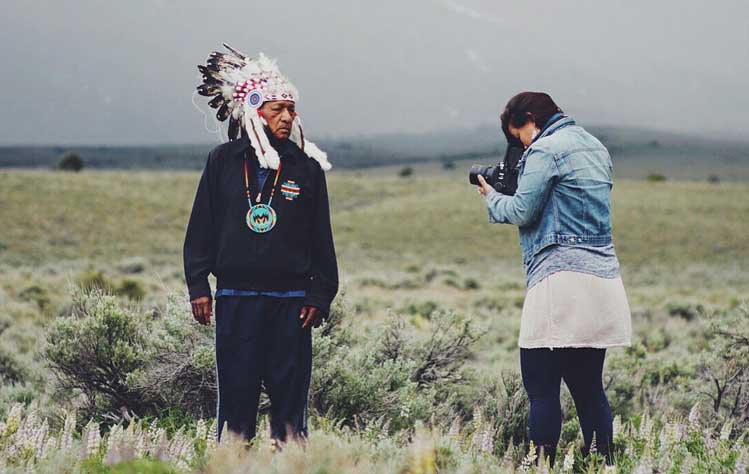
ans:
(123, 72)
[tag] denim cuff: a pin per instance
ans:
(491, 198)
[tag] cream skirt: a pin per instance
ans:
(573, 309)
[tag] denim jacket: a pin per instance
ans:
(563, 194)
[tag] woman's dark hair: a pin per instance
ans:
(524, 107)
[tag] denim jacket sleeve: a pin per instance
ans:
(534, 185)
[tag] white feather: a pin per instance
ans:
(311, 150)
(267, 156)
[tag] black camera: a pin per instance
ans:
(503, 177)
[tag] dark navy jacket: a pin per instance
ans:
(297, 254)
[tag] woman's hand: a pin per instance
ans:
(483, 187)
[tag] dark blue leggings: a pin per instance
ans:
(582, 370)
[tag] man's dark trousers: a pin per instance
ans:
(260, 340)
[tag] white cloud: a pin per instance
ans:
(469, 12)
(474, 57)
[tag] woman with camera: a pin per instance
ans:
(575, 307)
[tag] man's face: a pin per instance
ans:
(279, 114)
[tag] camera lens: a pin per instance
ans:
(476, 170)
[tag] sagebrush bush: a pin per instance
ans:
(502, 412)
(37, 295)
(128, 363)
(180, 374)
(724, 367)
(97, 349)
(11, 370)
(393, 378)
(131, 289)
(94, 280)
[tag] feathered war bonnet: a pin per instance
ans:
(239, 86)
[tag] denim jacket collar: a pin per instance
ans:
(551, 126)
(556, 122)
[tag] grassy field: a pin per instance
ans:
(405, 245)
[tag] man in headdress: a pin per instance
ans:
(260, 224)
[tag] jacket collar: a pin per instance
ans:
(556, 122)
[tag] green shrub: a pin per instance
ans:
(406, 171)
(131, 289)
(5, 323)
(471, 284)
(132, 265)
(94, 280)
(424, 308)
(490, 303)
(503, 410)
(11, 370)
(724, 367)
(70, 162)
(37, 295)
(120, 360)
(181, 374)
(97, 349)
(391, 379)
(656, 178)
(686, 311)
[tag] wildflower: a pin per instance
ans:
(40, 436)
(93, 440)
(507, 456)
(710, 441)
(646, 428)
(742, 464)
(694, 416)
(725, 432)
(49, 446)
(569, 459)
(454, 432)
(477, 421)
(617, 426)
(66, 438)
(487, 441)
(160, 447)
(687, 464)
(212, 437)
(201, 430)
(644, 467)
(141, 445)
(153, 429)
(530, 459)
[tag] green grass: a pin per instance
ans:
(402, 243)
(405, 244)
(106, 215)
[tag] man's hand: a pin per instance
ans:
(311, 317)
(202, 309)
(483, 186)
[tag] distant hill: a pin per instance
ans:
(636, 153)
